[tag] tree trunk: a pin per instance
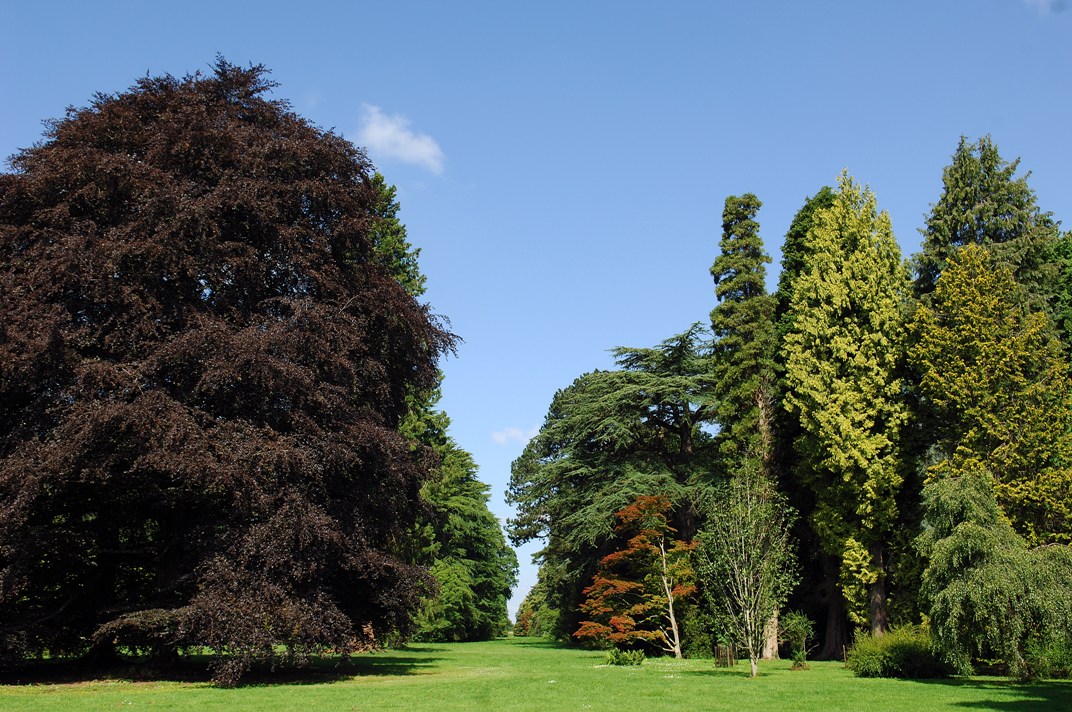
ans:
(836, 639)
(675, 642)
(879, 614)
(770, 640)
(754, 665)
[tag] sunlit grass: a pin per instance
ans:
(528, 674)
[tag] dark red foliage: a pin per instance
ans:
(202, 371)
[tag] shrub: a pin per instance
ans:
(624, 657)
(902, 652)
(794, 629)
(1050, 658)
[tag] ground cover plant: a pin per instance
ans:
(532, 674)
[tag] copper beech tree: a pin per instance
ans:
(204, 360)
(631, 599)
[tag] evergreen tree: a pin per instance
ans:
(392, 247)
(842, 358)
(607, 438)
(818, 590)
(997, 382)
(988, 594)
(743, 352)
(984, 203)
(796, 250)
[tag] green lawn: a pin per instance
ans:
(528, 674)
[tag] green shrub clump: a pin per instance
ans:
(906, 652)
(624, 657)
(1050, 658)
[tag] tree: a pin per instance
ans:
(984, 203)
(743, 329)
(632, 596)
(463, 543)
(607, 438)
(797, 250)
(843, 354)
(744, 558)
(996, 380)
(203, 369)
(988, 593)
(819, 589)
(392, 247)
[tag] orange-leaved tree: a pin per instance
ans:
(632, 596)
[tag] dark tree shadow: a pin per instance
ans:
(195, 668)
(1042, 696)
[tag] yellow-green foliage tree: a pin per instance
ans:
(843, 353)
(995, 375)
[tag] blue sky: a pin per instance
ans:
(563, 165)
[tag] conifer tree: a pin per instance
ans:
(842, 356)
(997, 381)
(984, 203)
(743, 328)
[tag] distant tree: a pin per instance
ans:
(997, 381)
(744, 340)
(744, 558)
(607, 438)
(464, 545)
(633, 595)
(843, 355)
(535, 617)
(988, 594)
(984, 203)
(203, 369)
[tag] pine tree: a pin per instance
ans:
(842, 357)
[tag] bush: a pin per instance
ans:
(624, 657)
(1049, 658)
(794, 630)
(902, 652)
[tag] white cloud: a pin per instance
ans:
(1048, 6)
(514, 435)
(391, 137)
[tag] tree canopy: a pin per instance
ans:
(203, 368)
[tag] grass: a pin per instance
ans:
(529, 674)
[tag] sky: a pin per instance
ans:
(563, 165)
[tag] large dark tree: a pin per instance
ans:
(204, 360)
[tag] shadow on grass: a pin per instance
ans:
(195, 669)
(1030, 696)
(541, 643)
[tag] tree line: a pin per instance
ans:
(879, 442)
